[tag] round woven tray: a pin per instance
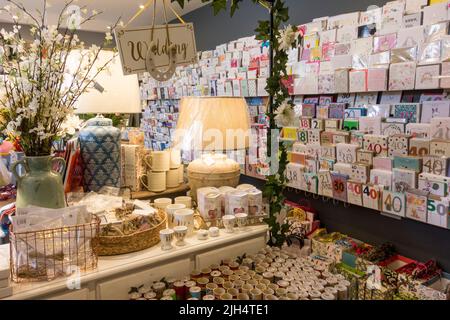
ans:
(114, 245)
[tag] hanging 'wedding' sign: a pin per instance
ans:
(134, 44)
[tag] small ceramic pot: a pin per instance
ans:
(241, 219)
(226, 296)
(166, 236)
(228, 223)
(256, 294)
(214, 232)
(180, 235)
(202, 234)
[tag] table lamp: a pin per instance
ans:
(100, 146)
(212, 125)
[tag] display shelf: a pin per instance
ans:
(117, 269)
(183, 188)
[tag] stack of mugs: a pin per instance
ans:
(163, 170)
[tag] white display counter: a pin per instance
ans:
(116, 274)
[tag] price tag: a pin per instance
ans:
(438, 213)
(371, 196)
(398, 145)
(416, 205)
(419, 147)
(394, 203)
(339, 184)
(346, 152)
(325, 184)
(354, 193)
(435, 165)
(377, 144)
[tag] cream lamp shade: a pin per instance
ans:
(118, 94)
(212, 124)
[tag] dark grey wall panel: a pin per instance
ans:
(214, 30)
(411, 238)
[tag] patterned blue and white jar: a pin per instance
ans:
(100, 151)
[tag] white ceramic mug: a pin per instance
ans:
(162, 203)
(166, 236)
(158, 160)
(187, 201)
(241, 219)
(170, 210)
(156, 181)
(228, 222)
(185, 217)
(172, 178)
(180, 234)
(175, 158)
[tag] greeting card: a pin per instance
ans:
(327, 51)
(437, 212)
(392, 14)
(435, 31)
(445, 73)
(383, 163)
(408, 111)
(327, 36)
(430, 53)
(342, 61)
(361, 46)
(376, 143)
(365, 99)
(416, 205)
(381, 177)
(410, 37)
(326, 83)
(391, 97)
(414, 6)
(342, 49)
(346, 33)
(347, 98)
(311, 41)
(389, 128)
(380, 60)
(404, 55)
(402, 76)
(419, 147)
(377, 79)
(325, 100)
(435, 13)
(440, 128)
(432, 109)
(341, 81)
(379, 110)
(427, 77)
(326, 67)
(385, 42)
(393, 203)
(358, 80)
(371, 125)
(371, 16)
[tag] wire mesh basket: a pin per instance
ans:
(51, 253)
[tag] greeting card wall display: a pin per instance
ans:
(402, 76)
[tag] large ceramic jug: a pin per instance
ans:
(40, 185)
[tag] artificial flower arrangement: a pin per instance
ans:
(44, 76)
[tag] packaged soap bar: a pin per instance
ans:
(377, 79)
(427, 77)
(433, 109)
(358, 80)
(419, 130)
(416, 207)
(403, 179)
(394, 203)
(402, 76)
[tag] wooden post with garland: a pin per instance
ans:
(269, 30)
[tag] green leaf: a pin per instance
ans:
(219, 5)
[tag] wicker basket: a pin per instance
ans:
(114, 245)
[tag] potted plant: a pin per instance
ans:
(44, 74)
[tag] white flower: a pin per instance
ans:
(285, 115)
(287, 38)
(70, 125)
(108, 36)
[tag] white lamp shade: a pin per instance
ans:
(120, 94)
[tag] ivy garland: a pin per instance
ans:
(276, 183)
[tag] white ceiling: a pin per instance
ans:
(111, 11)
